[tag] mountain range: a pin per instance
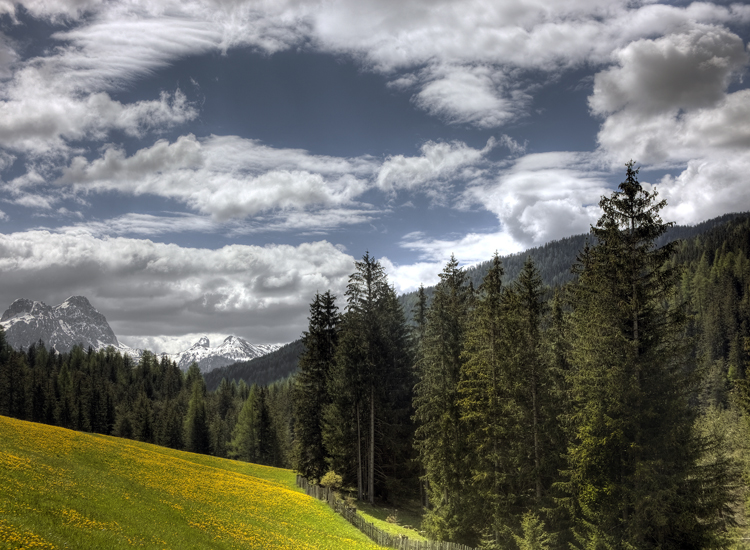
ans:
(76, 321)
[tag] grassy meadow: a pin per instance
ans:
(65, 489)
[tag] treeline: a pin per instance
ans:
(151, 401)
(606, 413)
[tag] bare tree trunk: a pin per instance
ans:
(371, 484)
(359, 457)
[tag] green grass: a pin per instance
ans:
(408, 519)
(65, 489)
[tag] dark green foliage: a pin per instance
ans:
(634, 462)
(197, 439)
(311, 386)
(441, 441)
(252, 438)
(263, 371)
(366, 425)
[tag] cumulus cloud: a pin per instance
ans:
(225, 177)
(438, 163)
(407, 278)
(37, 120)
(456, 55)
(667, 105)
(148, 289)
(707, 188)
(666, 100)
(679, 71)
(544, 196)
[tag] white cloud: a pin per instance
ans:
(458, 56)
(3, 216)
(148, 289)
(225, 177)
(470, 248)
(707, 188)
(680, 71)
(544, 196)
(666, 105)
(469, 95)
(36, 118)
(407, 278)
(434, 168)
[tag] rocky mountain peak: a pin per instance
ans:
(75, 321)
(202, 343)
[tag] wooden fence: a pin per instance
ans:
(400, 542)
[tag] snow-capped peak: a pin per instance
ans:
(232, 350)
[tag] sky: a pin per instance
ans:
(205, 167)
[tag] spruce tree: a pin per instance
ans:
(634, 467)
(196, 434)
(368, 383)
(440, 438)
(311, 386)
(485, 404)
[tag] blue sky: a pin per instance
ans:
(205, 167)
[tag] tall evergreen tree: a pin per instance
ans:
(440, 438)
(368, 381)
(485, 404)
(252, 436)
(311, 386)
(634, 462)
(196, 434)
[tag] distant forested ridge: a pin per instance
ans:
(264, 370)
(554, 259)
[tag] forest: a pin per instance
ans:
(608, 409)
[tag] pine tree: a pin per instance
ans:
(196, 434)
(252, 436)
(440, 438)
(485, 404)
(311, 386)
(368, 382)
(634, 462)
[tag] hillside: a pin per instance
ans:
(60, 488)
(263, 370)
(555, 258)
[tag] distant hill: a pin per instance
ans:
(554, 259)
(264, 370)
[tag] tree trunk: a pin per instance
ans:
(359, 457)
(371, 481)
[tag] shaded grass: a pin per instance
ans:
(408, 519)
(65, 489)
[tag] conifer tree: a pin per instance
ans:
(440, 438)
(484, 402)
(196, 434)
(311, 386)
(634, 462)
(251, 439)
(368, 383)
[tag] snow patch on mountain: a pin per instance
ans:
(75, 321)
(61, 327)
(232, 350)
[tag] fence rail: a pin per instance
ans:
(400, 542)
